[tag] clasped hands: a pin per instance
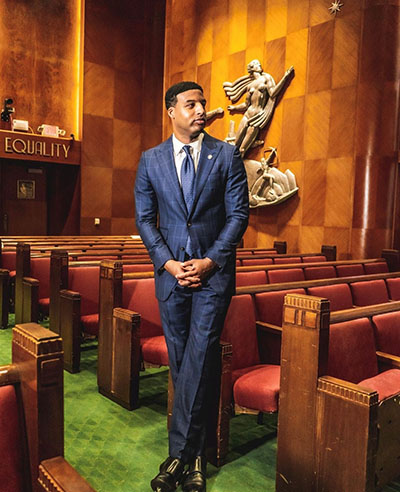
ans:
(190, 273)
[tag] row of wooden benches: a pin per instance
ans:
(253, 376)
(338, 407)
(339, 393)
(32, 416)
(74, 298)
(41, 268)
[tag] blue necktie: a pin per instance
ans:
(187, 177)
(187, 183)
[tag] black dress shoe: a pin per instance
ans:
(195, 477)
(169, 477)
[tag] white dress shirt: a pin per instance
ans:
(179, 153)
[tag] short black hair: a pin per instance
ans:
(174, 90)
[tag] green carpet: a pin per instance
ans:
(119, 451)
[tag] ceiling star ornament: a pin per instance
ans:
(335, 7)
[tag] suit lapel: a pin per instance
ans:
(168, 170)
(208, 155)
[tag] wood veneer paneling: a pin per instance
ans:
(122, 104)
(335, 126)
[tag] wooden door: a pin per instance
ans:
(23, 198)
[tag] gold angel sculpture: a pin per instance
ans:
(261, 97)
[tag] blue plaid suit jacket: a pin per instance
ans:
(216, 221)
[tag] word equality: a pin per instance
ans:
(34, 147)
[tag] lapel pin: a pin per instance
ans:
(209, 156)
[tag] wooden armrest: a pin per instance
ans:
(69, 294)
(388, 359)
(364, 311)
(226, 347)
(56, 474)
(126, 314)
(268, 327)
(30, 280)
(4, 272)
(345, 389)
(9, 375)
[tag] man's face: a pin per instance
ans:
(188, 116)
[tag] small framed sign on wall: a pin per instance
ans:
(25, 189)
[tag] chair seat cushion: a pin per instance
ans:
(154, 350)
(386, 383)
(90, 324)
(11, 469)
(258, 388)
(13, 273)
(44, 304)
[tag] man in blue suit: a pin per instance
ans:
(191, 212)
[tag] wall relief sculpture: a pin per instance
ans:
(267, 185)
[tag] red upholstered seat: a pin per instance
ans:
(136, 257)
(11, 472)
(369, 292)
(314, 259)
(85, 280)
(284, 260)
(255, 385)
(40, 270)
(240, 330)
(386, 383)
(312, 273)
(288, 275)
(377, 267)
(393, 286)
(269, 305)
(339, 295)
(349, 270)
(352, 355)
(259, 388)
(387, 332)
(96, 257)
(90, 324)
(243, 253)
(139, 296)
(138, 267)
(251, 278)
(154, 349)
(257, 261)
(238, 262)
(8, 260)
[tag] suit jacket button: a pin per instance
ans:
(189, 224)
(182, 248)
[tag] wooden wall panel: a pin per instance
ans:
(40, 71)
(292, 145)
(336, 124)
(339, 192)
(255, 22)
(342, 121)
(276, 19)
(39, 66)
(122, 105)
(296, 56)
(346, 49)
(320, 57)
(316, 125)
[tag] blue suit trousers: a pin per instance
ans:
(192, 322)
